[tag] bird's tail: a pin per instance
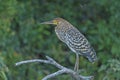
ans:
(92, 56)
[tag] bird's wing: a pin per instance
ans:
(78, 43)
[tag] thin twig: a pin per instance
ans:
(31, 61)
(54, 74)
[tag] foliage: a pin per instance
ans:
(23, 37)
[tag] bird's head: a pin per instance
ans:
(55, 21)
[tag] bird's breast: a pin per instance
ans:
(61, 34)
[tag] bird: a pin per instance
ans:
(74, 39)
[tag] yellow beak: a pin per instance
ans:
(47, 22)
(50, 22)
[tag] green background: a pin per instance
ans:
(22, 37)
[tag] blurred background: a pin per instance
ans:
(22, 37)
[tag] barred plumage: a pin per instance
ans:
(76, 41)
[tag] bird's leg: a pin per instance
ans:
(76, 63)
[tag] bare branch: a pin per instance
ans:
(54, 74)
(34, 60)
(54, 63)
(61, 71)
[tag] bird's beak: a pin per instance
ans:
(48, 22)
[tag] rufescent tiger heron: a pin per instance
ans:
(75, 40)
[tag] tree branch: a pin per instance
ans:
(54, 74)
(61, 71)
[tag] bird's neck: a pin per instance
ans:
(64, 26)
